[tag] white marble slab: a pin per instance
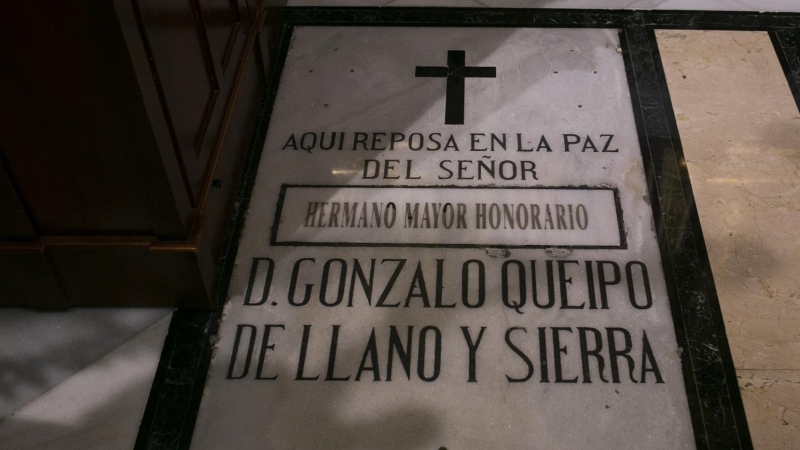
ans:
(486, 348)
(99, 407)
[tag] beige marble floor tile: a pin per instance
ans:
(740, 130)
(772, 401)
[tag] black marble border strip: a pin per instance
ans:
(714, 399)
(472, 17)
(712, 389)
(652, 189)
(273, 240)
(529, 17)
(174, 401)
(786, 42)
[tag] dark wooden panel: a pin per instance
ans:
(14, 224)
(75, 135)
(103, 138)
(269, 33)
(225, 30)
(177, 62)
(29, 279)
(131, 277)
(184, 66)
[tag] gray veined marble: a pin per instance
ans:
(351, 324)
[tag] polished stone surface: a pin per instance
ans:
(740, 130)
(42, 349)
(549, 82)
(99, 407)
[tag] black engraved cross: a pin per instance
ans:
(455, 72)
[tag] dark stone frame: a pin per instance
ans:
(273, 240)
(715, 403)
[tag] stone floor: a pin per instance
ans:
(740, 131)
(76, 379)
(80, 379)
(100, 405)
